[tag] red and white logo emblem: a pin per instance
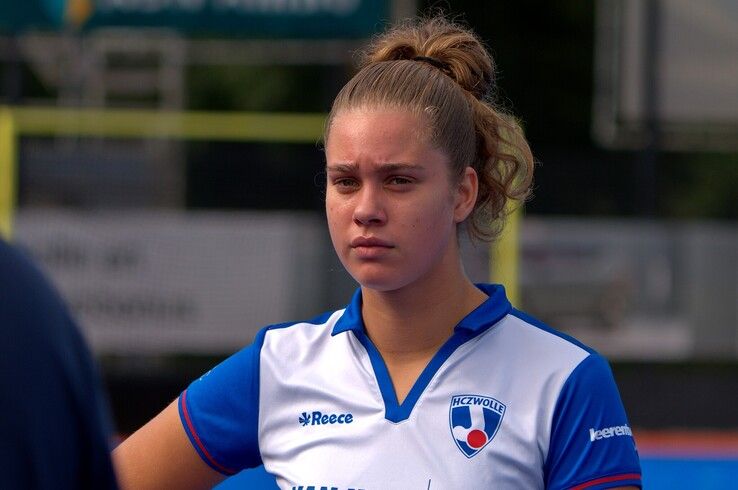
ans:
(474, 421)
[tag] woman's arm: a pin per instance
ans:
(160, 456)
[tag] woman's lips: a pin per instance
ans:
(369, 242)
(370, 247)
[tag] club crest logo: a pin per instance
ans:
(474, 420)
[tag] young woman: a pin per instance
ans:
(424, 380)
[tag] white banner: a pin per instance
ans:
(174, 282)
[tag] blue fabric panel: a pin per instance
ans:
(220, 411)
(589, 402)
(674, 473)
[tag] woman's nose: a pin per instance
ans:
(369, 208)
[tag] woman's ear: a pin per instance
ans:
(466, 194)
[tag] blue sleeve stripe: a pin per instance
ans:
(195, 439)
(611, 482)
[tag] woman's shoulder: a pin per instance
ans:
(551, 335)
(298, 332)
(519, 337)
(531, 345)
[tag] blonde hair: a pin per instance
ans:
(441, 72)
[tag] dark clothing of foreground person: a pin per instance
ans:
(53, 416)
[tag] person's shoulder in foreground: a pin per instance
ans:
(54, 425)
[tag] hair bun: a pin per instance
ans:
(450, 47)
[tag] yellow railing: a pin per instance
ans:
(129, 123)
(504, 257)
(8, 157)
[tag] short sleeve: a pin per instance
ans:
(591, 445)
(220, 412)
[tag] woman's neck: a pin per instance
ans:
(415, 321)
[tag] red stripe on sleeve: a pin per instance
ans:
(607, 479)
(197, 438)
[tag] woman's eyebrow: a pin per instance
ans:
(394, 167)
(344, 168)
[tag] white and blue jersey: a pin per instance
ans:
(505, 403)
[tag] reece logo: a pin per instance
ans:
(318, 418)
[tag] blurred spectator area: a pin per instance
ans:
(635, 289)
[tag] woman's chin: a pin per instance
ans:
(385, 282)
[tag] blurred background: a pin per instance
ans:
(161, 160)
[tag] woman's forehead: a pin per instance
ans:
(377, 127)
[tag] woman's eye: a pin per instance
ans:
(400, 180)
(346, 184)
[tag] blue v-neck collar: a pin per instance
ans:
(478, 321)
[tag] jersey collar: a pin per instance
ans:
(476, 322)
